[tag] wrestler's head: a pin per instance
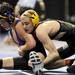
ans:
(6, 16)
(31, 19)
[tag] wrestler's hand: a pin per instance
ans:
(30, 63)
(21, 52)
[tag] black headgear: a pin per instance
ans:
(6, 12)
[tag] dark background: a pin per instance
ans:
(56, 9)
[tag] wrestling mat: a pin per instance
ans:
(8, 51)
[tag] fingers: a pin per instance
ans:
(30, 63)
(21, 53)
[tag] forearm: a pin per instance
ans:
(51, 57)
(53, 54)
(30, 41)
(24, 47)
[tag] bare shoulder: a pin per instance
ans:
(19, 27)
(51, 22)
(48, 23)
(48, 26)
(19, 24)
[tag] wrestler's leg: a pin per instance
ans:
(56, 64)
(14, 63)
(59, 63)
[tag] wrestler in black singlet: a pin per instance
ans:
(69, 36)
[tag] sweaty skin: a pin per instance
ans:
(46, 30)
(30, 42)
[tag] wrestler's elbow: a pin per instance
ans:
(30, 41)
(40, 34)
(31, 44)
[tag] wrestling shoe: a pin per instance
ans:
(36, 63)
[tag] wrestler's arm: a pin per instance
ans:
(30, 42)
(9, 41)
(48, 44)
